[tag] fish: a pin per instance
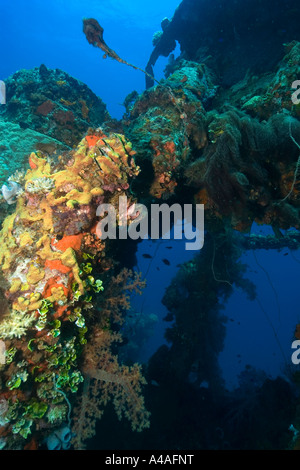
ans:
(154, 383)
(166, 261)
(94, 35)
(145, 255)
(46, 148)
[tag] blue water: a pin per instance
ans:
(50, 33)
(258, 332)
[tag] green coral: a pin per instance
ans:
(22, 427)
(57, 414)
(36, 409)
(9, 355)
